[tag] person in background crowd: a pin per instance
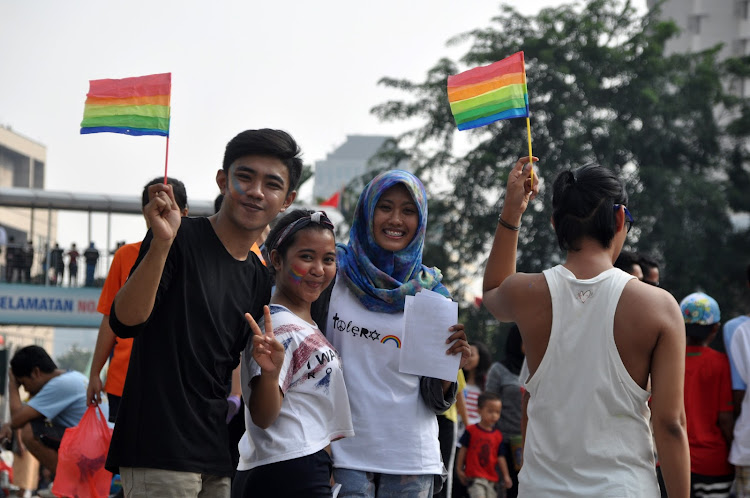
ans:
(503, 380)
(27, 261)
(738, 385)
(91, 255)
(650, 269)
(475, 373)
(629, 262)
(737, 341)
(57, 263)
(58, 401)
(482, 451)
(73, 256)
(708, 400)
(448, 435)
(12, 260)
(108, 345)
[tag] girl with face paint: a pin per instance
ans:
(291, 375)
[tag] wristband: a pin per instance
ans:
(508, 225)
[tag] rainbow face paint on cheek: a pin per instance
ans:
(297, 274)
(235, 185)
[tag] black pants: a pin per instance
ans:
(114, 406)
(513, 491)
(48, 433)
(308, 476)
(447, 437)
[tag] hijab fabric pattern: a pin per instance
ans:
(382, 279)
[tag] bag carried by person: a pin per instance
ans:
(80, 459)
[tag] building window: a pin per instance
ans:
(38, 175)
(739, 47)
(694, 24)
(742, 9)
(21, 173)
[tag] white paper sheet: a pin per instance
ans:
(427, 317)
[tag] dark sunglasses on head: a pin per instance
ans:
(628, 217)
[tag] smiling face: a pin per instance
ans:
(307, 267)
(255, 190)
(395, 220)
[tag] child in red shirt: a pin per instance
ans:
(708, 399)
(482, 450)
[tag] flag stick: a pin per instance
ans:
(528, 135)
(166, 160)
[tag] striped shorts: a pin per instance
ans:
(712, 486)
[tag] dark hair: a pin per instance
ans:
(217, 202)
(178, 188)
(266, 142)
(485, 361)
(748, 274)
(281, 224)
(647, 262)
(626, 260)
(485, 397)
(30, 357)
(698, 331)
(582, 205)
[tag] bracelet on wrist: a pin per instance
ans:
(507, 225)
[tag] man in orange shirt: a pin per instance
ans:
(106, 342)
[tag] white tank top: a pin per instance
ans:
(588, 432)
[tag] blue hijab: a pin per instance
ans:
(382, 279)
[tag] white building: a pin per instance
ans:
(348, 161)
(22, 165)
(706, 23)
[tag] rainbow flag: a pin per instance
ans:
(486, 94)
(133, 106)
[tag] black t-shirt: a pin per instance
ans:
(91, 255)
(173, 410)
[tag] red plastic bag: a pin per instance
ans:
(80, 459)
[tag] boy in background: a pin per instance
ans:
(708, 399)
(482, 450)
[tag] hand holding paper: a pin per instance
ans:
(427, 318)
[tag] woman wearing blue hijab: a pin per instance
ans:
(395, 450)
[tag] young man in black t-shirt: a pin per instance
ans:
(184, 303)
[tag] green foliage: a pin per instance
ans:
(307, 173)
(602, 90)
(75, 359)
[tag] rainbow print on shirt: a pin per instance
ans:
(391, 338)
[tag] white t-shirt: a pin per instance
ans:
(315, 410)
(740, 350)
(471, 398)
(396, 433)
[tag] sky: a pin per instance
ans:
(310, 68)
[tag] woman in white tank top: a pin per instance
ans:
(593, 337)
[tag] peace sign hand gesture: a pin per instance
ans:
(268, 353)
